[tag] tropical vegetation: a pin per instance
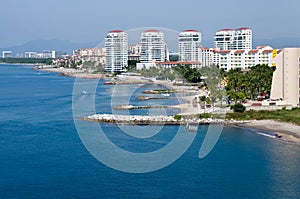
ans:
(251, 84)
(27, 61)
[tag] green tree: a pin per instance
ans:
(238, 108)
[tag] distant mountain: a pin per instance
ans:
(275, 43)
(53, 44)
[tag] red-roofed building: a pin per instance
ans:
(230, 59)
(116, 50)
(153, 46)
(189, 43)
(238, 39)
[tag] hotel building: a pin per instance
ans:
(189, 42)
(91, 54)
(153, 47)
(238, 39)
(6, 54)
(116, 48)
(286, 78)
(231, 59)
(31, 54)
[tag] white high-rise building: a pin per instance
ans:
(116, 48)
(153, 47)
(286, 78)
(238, 39)
(31, 55)
(189, 42)
(6, 54)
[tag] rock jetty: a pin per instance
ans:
(131, 107)
(153, 120)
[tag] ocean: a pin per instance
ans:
(42, 154)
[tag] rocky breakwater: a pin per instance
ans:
(154, 120)
(132, 119)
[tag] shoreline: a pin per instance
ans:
(282, 130)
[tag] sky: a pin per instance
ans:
(89, 20)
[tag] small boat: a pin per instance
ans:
(83, 92)
(165, 94)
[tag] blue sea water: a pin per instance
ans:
(42, 155)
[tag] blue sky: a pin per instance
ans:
(89, 20)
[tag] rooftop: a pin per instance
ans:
(243, 28)
(190, 31)
(225, 29)
(239, 51)
(224, 51)
(152, 30)
(252, 51)
(115, 31)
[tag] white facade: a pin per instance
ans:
(238, 39)
(153, 46)
(167, 64)
(189, 42)
(140, 66)
(231, 59)
(209, 56)
(116, 48)
(6, 54)
(286, 78)
(91, 54)
(47, 54)
(31, 55)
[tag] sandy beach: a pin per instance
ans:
(286, 131)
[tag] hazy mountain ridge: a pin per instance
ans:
(68, 46)
(52, 44)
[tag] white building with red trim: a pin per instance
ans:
(231, 59)
(153, 46)
(234, 39)
(116, 49)
(189, 42)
